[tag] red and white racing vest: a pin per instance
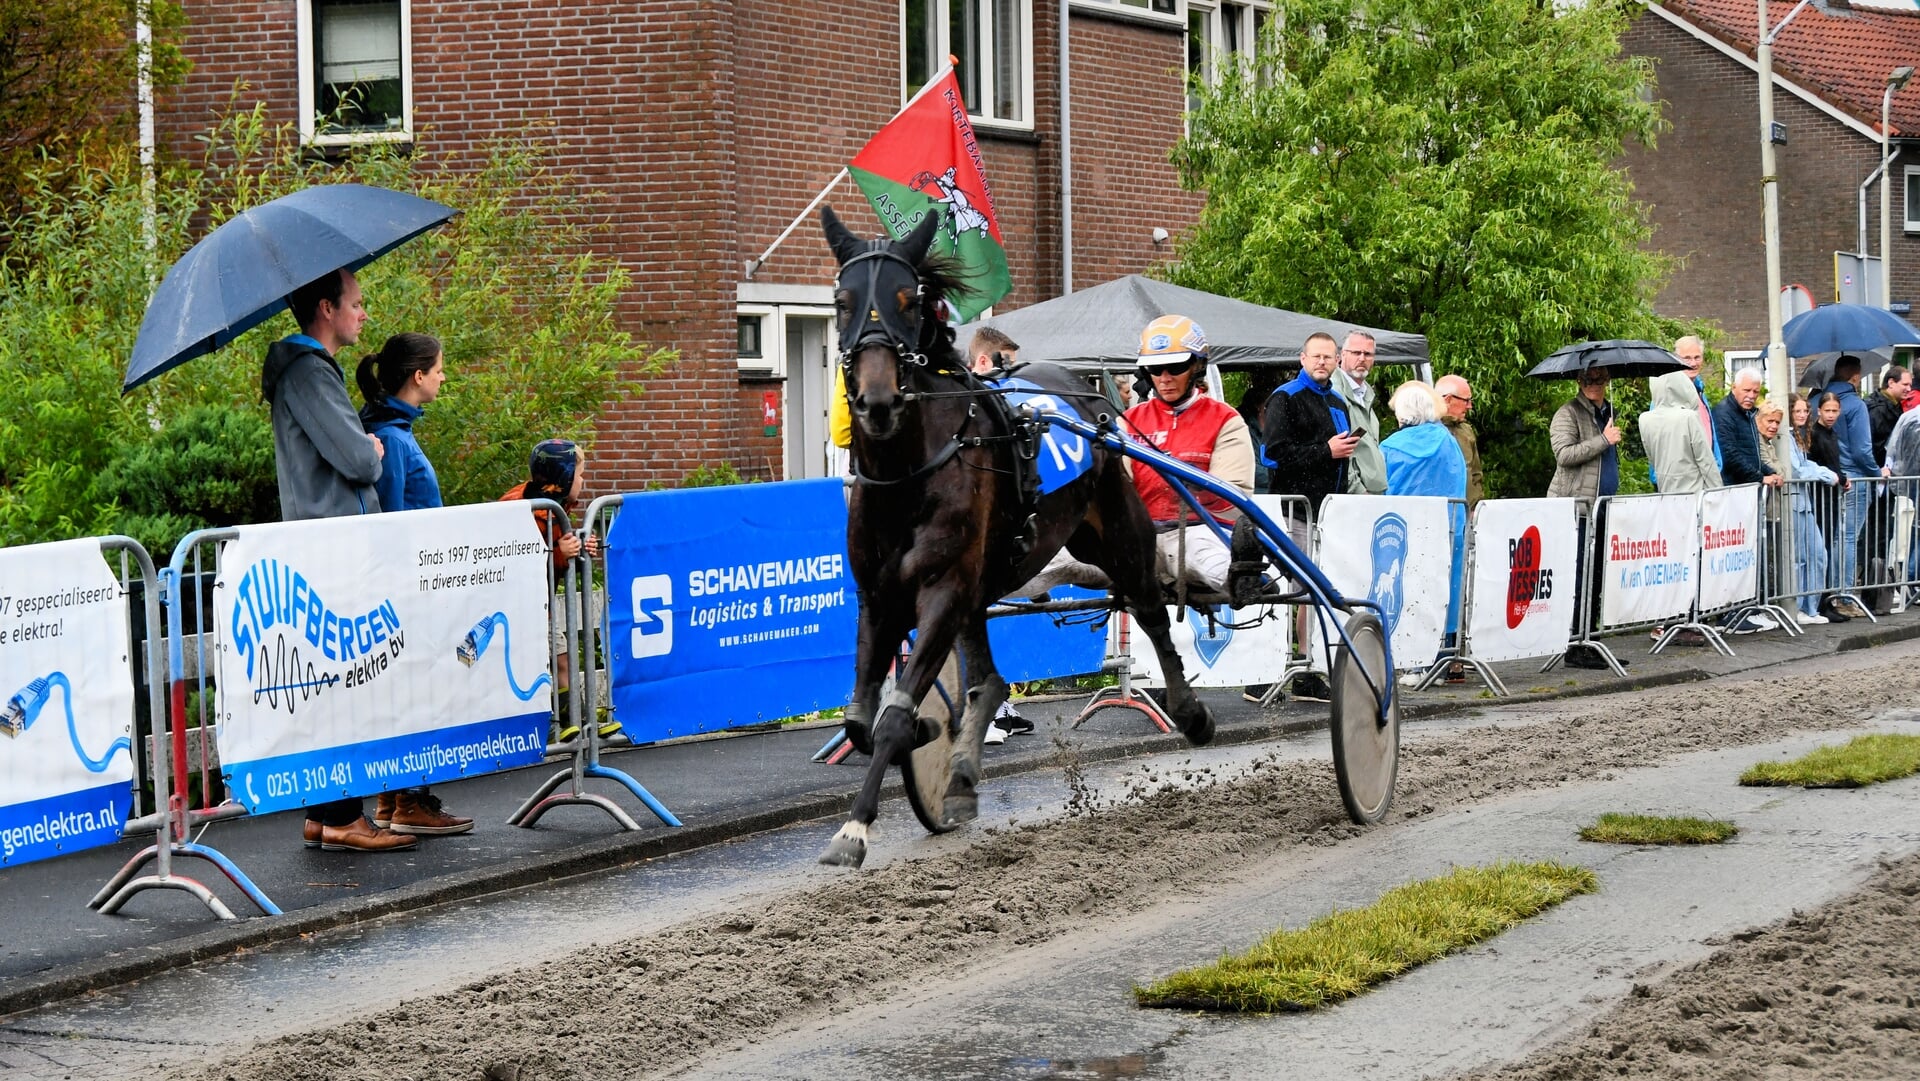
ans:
(1189, 435)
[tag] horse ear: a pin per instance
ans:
(917, 242)
(841, 239)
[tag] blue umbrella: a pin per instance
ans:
(239, 275)
(1846, 328)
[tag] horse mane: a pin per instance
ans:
(943, 278)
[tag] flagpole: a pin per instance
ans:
(753, 265)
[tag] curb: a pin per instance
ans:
(620, 850)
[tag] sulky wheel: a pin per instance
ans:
(928, 768)
(1366, 747)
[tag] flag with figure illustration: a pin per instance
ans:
(926, 160)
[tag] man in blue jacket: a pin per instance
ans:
(1738, 439)
(1855, 434)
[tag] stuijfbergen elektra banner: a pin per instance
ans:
(66, 701)
(360, 655)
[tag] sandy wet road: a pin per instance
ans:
(811, 962)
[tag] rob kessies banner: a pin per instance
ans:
(1648, 558)
(66, 701)
(365, 654)
(1524, 557)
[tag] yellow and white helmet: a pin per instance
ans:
(1171, 339)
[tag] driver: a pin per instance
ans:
(1180, 420)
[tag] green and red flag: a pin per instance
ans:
(926, 161)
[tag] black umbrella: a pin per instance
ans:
(239, 275)
(1819, 370)
(1623, 358)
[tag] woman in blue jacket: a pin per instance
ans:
(397, 383)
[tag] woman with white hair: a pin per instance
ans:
(1423, 458)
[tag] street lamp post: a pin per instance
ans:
(1779, 375)
(1895, 81)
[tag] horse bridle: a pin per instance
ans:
(880, 325)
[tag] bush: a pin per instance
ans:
(212, 466)
(512, 287)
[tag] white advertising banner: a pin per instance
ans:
(66, 701)
(1525, 560)
(366, 654)
(1729, 546)
(1397, 552)
(1648, 558)
(1213, 654)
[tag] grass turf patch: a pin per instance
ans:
(1342, 954)
(1862, 760)
(1614, 828)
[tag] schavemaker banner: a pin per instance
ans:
(66, 701)
(1729, 546)
(365, 654)
(729, 606)
(1648, 558)
(1524, 567)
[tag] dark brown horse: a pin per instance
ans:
(955, 504)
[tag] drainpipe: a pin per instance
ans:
(1864, 185)
(1066, 161)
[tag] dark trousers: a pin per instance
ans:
(341, 812)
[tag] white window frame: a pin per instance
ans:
(1138, 9)
(772, 360)
(1216, 25)
(1910, 176)
(308, 102)
(943, 46)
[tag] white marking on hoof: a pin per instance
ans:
(848, 847)
(853, 831)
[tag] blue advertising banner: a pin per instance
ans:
(1035, 647)
(729, 606)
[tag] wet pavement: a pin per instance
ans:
(724, 789)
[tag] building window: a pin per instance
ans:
(993, 40)
(1219, 34)
(1154, 7)
(1913, 198)
(355, 70)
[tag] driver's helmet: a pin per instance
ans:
(1171, 339)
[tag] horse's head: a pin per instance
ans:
(887, 302)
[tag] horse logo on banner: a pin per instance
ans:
(1389, 562)
(1210, 637)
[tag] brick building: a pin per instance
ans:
(1831, 66)
(703, 129)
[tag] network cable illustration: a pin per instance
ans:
(474, 646)
(24, 708)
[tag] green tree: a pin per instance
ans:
(524, 307)
(1438, 167)
(68, 70)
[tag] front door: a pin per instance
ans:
(809, 451)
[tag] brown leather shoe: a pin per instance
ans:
(421, 814)
(310, 833)
(362, 837)
(383, 810)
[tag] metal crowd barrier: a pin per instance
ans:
(586, 640)
(1857, 545)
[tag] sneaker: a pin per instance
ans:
(1311, 687)
(1806, 620)
(1011, 720)
(1658, 632)
(995, 733)
(1412, 679)
(421, 815)
(1581, 656)
(1256, 692)
(1456, 673)
(1752, 625)
(608, 727)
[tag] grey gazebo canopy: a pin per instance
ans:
(1099, 328)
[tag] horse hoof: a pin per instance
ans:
(960, 808)
(1197, 725)
(845, 852)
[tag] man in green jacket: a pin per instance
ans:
(1457, 395)
(1367, 473)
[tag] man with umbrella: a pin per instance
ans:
(327, 465)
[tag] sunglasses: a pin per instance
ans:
(1177, 368)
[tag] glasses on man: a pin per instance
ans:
(1467, 398)
(1359, 352)
(1157, 370)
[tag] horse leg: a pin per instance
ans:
(878, 643)
(897, 729)
(984, 696)
(1127, 551)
